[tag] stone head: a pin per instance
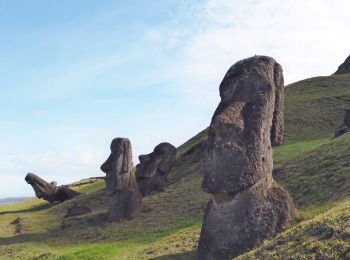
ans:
(42, 188)
(246, 125)
(153, 170)
(118, 165)
(158, 162)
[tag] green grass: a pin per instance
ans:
(312, 168)
(285, 152)
(314, 107)
(200, 137)
(327, 236)
(318, 176)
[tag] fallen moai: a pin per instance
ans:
(344, 68)
(49, 191)
(121, 186)
(345, 127)
(153, 170)
(247, 205)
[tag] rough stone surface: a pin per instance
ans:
(247, 205)
(344, 68)
(154, 168)
(78, 210)
(49, 191)
(345, 127)
(121, 185)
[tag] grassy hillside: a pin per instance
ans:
(312, 168)
(313, 107)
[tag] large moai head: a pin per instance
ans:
(49, 191)
(118, 164)
(42, 189)
(154, 168)
(246, 125)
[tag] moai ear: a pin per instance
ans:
(126, 156)
(277, 121)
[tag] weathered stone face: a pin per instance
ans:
(247, 205)
(118, 164)
(43, 189)
(124, 196)
(49, 191)
(154, 168)
(246, 125)
(344, 68)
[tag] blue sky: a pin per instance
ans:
(76, 74)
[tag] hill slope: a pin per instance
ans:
(312, 168)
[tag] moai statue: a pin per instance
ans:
(124, 196)
(345, 127)
(154, 168)
(50, 191)
(247, 205)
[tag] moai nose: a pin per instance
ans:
(104, 168)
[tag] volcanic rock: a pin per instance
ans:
(78, 210)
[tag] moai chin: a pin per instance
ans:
(154, 168)
(247, 205)
(121, 186)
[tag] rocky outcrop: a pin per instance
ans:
(344, 68)
(78, 210)
(154, 168)
(125, 199)
(345, 127)
(247, 205)
(50, 191)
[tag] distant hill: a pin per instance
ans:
(12, 200)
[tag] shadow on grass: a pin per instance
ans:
(182, 256)
(24, 238)
(34, 209)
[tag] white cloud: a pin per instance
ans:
(308, 38)
(39, 113)
(89, 158)
(53, 160)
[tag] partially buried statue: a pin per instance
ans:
(154, 168)
(247, 205)
(50, 191)
(124, 196)
(345, 127)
